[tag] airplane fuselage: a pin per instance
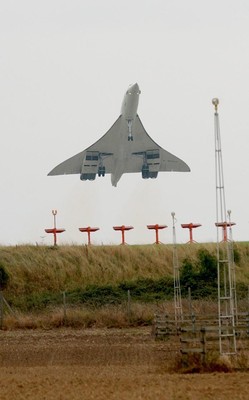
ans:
(122, 154)
(130, 102)
(128, 116)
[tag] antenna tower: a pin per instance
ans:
(225, 259)
(177, 286)
(233, 272)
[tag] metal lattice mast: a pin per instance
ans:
(233, 271)
(227, 337)
(176, 273)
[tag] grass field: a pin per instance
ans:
(96, 280)
(41, 268)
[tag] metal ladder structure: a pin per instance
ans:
(233, 271)
(177, 286)
(225, 259)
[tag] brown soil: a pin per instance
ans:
(103, 364)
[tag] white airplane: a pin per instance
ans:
(125, 148)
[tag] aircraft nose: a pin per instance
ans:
(134, 88)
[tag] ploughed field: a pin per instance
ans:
(103, 364)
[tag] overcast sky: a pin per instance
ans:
(64, 69)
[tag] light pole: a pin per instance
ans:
(54, 230)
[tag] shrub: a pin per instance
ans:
(197, 363)
(4, 277)
(200, 275)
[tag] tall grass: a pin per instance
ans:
(43, 268)
(107, 316)
(67, 267)
(35, 270)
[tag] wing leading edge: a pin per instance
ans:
(147, 153)
(100, 151)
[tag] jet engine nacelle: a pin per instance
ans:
(151, 164)
(87, 177)
(146, 173)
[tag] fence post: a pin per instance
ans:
(192, 315)
(64, 308)
(248, 297)
(129, 305)
(1, 309)
(204, 342)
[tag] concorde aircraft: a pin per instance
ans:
(125, 148)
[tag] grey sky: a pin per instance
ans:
(64, 68)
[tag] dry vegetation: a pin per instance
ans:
(88, 356)
(39, 268)
(39, 274)
(109, 316)
(68, 267)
